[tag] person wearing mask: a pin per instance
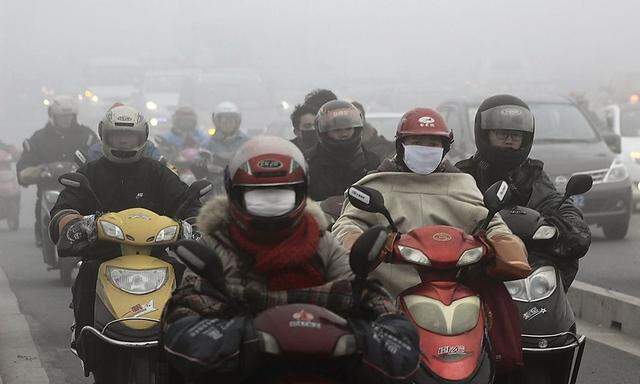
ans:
(123, 178)
(338, 159)
(269, 239)
(504, 130)
(421, 188)
(303, 120)
(371, 140)
(56, 142)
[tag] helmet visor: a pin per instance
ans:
(339, 118)
(124, 139)
(507, 117)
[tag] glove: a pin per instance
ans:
(77, 235)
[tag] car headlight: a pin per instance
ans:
(617, 172)
(137, 281)
(51, 196)
(152, 106)
(470, 256)
(414, 255)
(167, 233)
(538, 286)
(153, 121)
(112, 230)
(545, 232)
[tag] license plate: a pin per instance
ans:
(578, 200)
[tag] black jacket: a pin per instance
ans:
(331, 176)
(49, 145)
(532, 188)
(144, 184)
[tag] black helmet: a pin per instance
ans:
(339, 114)
(504, 112)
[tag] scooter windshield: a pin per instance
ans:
(459, 317)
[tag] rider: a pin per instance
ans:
(302, 119)
(227, 137)
(338, 159)
(150, 149)
(184, 131)
(57, 141)
(421, 188)
(121, 179)
(270, 241)
(504, 130)
(317, 98)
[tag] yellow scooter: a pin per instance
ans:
(131, 290)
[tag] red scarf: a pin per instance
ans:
(287, 264)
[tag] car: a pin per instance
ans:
(624, 120)
(568, 143)
(385, 123)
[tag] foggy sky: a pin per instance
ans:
(299, 44)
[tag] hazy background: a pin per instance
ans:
(389, 54)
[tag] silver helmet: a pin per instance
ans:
(124, 132)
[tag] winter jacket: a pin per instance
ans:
(414, 201)
(145, 184)
(331, 176)
(233, 356)
(225, 146)
(49, 145)
(532, 188)
(178, 142)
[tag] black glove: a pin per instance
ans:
(77, 235)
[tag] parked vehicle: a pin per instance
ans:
(568, 143)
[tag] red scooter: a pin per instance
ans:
(299, 343)
(450, 316)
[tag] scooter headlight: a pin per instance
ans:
(470, 256)
(112, 230)
(517, 289)
(542, 283)
(545, 232)
(166, 234)
(137, 281)
(413, 255)
(538, 286)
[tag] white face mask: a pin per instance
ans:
(422, 159)
(269, 202)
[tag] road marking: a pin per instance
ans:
(609, 337)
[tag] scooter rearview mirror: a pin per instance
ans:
(497, 196)
(74, 180)
(79, 158)
(365, 252)
(366, 199)
(577, 185)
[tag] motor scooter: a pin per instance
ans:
(131, 290)
(50, 192)
(552, 349)
(449, 315)
(9, 191)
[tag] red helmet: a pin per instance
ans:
(424, 122)
(266, 161)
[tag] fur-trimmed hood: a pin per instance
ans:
(214, 215)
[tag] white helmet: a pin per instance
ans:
(62, 105)
(226, 108)
(124, 132)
